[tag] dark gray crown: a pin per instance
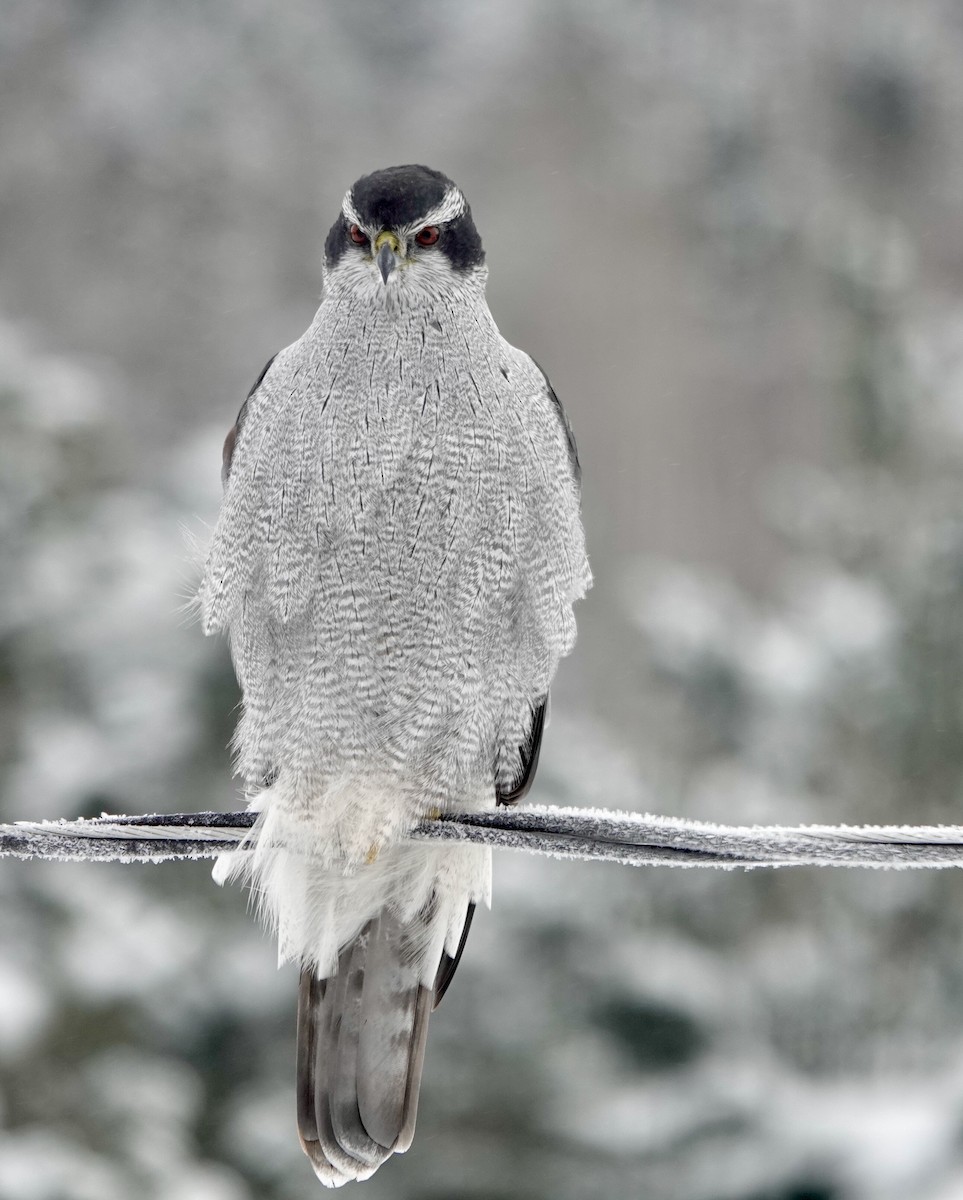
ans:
(398, 195)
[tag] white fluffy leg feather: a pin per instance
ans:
(313, 886)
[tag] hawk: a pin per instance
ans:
(396, 560)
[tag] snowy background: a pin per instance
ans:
(732, 234)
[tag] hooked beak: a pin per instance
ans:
(387, 253)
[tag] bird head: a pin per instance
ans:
(403, 233)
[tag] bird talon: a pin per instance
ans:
(373, 851)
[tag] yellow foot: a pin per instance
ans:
(433, 814)
(372, 854)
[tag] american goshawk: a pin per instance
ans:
(396, 559)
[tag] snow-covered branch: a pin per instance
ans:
(629, 838)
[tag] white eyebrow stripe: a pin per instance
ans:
(350, 212)
(452, 206)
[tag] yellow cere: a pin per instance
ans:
(387, 238)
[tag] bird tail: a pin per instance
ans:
(361, 1045)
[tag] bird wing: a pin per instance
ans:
(449, 962)
(566, 424)
(529, 755)
(529, 750)
(230, 442)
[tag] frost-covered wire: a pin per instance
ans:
(629, 838)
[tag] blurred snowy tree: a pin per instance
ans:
(109, 700)
(838, 699)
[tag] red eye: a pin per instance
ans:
(357, 236)
(428, 236)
